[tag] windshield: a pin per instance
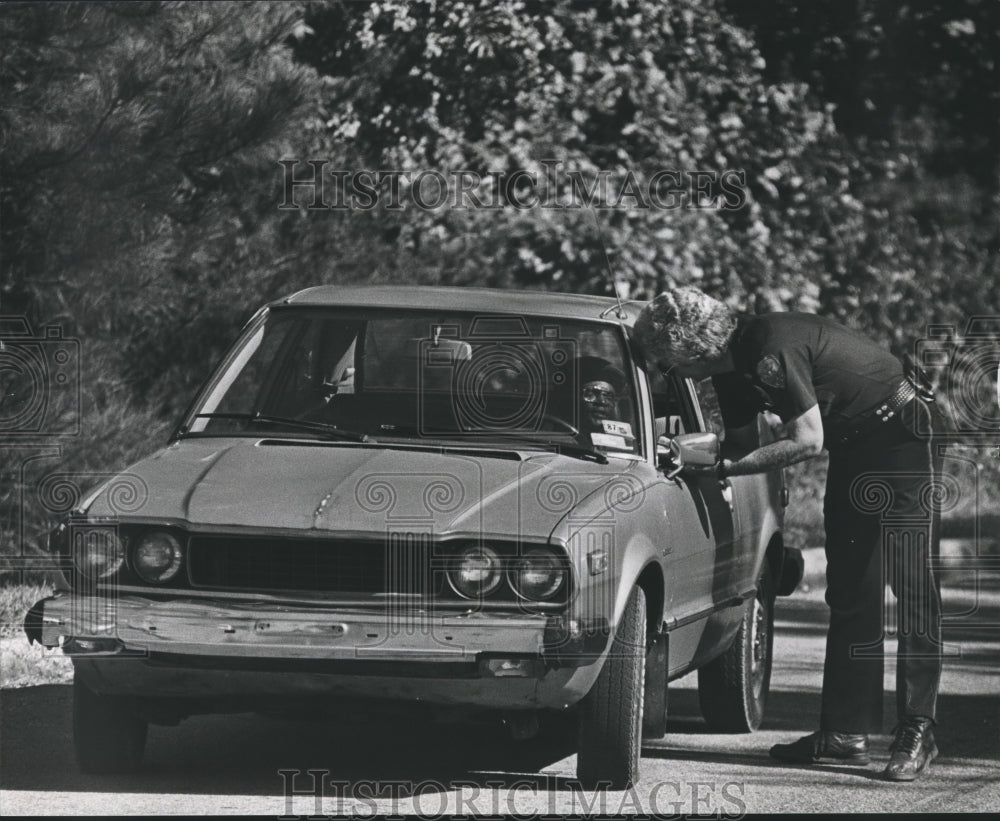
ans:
(391, 374)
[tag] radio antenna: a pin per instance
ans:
(620, 312)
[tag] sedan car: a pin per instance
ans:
(465, 500)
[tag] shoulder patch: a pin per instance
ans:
(770, 372)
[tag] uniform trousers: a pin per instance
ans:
(882, 521)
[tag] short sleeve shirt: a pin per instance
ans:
(788, 362)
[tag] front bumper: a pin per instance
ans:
(192, 647)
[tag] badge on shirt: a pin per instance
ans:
(770, 372)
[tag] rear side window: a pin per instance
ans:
(709, 401)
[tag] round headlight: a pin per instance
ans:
(157, 557)
(537, 575)
(476, 572)
(97, 552)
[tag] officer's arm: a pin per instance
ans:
(802, 439)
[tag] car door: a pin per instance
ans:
(733, 561)
(698, 524)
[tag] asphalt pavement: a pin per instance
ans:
(252, 764)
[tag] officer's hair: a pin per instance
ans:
(686, 324)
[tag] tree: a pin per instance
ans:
(915, 91)
(138, 199)
(627, 87)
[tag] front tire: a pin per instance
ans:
(732, 689)
(109, 735)
(610, 718)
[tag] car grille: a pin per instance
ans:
(315, 565)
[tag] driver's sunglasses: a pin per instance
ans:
(598, 394)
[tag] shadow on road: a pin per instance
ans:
(968, 725)
(243, 754)
(743, 760)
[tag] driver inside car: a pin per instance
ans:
(601, 389)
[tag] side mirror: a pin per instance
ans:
(673, 454)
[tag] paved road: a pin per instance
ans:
(231, 764)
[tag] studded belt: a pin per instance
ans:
(867, 422)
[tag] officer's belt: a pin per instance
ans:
(869, 421)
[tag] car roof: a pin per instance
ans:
(489, 300)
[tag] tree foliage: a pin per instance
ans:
(915, 92)
(139, 176)
(839, 217)
(626, 87)
(885, 64)
(135, 149)
(136, 156)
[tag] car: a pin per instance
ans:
(465, 500)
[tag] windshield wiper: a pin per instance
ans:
(318, 427)
(449, 437)
(576, 451)
(326, 430)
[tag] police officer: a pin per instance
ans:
(833, 387)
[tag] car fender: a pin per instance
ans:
(618, 526)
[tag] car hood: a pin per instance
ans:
(356, 489)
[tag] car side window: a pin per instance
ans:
(671, 416)
(710, 410)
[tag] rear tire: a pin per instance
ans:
(610, 717)
(732, 689)
(109, 735)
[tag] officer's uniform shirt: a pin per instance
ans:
(788, 362)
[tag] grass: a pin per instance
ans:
(21, 664)
(15, 599)
(24, 665)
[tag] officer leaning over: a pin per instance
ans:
(833, 387)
